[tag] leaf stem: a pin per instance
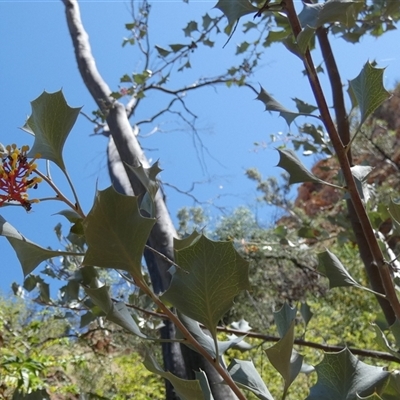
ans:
(60, 195)
(77, 207)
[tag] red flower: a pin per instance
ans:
(15, 171)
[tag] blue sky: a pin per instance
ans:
(37, 55)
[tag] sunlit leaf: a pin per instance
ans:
(205, 340)
(86, 319)
(176, 47)
(297, 171)
(306, 312)
(180, 244)
(30, 282)
(395, 329)
(383, 342)
(190, 27)
(115, 312)
(314, 16)
(148, 178)
(284, 359)
(211, 274)
(71, 215)
(284, 317)
(234, 9)
(368, 89)
(392, 389)
(207, 21)
(161, 51)
(186, 389)
(205, 386)
(247, 377)
(51, 121)
(44, 292)
(29, 254)
(304, 107)
(272, 105)
(333, 269)
(361, 172)
(126, 78)
(342, 376)
(241, 48)
(116, 232)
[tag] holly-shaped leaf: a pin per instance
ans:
(186, 389)
(247, 377)
(342, 376)
(205, 386)
(297, 171)
(361, 172)
(51, 121)
(330, 266)
(71, 215)
(284, 359)
(180, 244)
(395, 329)
(162, 52)
(116, 232)
(392, 389)
(211, 274)
(283, 318)
(115, 312)
(368, 90)
(190, 27)
(304, 107)
(272, 105)
(234, 9)
(205, 340)
(148, 178)
(176, 47)
(314, 16)
(383, 342)
(29, 254)
(306, 312)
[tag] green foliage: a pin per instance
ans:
(115, 223)
(297, 172)
(289, 116)
(29, 254)
(341, 375)
(247, 271)
(210, 275)
(235, 9)
(368, 90)
(186, 390)
(35, 356)
(51, 122)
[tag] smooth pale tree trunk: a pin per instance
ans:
(124, 149)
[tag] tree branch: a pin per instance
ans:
(340, 150)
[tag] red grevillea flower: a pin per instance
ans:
(14, 176)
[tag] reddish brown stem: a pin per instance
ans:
(340, 150)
